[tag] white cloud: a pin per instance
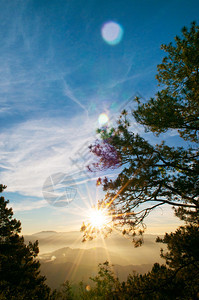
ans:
(28, 205)
(34, 150)
(69, 93)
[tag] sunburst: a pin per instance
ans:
(98, 218)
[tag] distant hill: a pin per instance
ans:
(148, 253)
(89, 257)
(45, 233)
(63, 255)
(80, 264)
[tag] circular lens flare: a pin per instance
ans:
(103, 119)
(112, 33)
(88, 288)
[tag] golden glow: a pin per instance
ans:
(88, 288)
(98, 218)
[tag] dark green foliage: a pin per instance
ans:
(63, 293)
(107, 285)
(183, 256)
(178, 280)
(19, 269)
(177, 104)
(156, 284)
(182, 247)
(153, 175)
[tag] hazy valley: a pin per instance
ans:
(63, 256)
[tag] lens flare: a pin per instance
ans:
(112, 33)
(103, 119)
(98, 218)
(88, 288)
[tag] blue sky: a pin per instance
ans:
(57, 75)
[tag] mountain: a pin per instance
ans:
(44, 234)
(89, 257)
(80, 264)
(148, 253)
(63, 256)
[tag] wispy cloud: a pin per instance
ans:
(28, 205)
(68, 92)
(34, 150)
(27, 74)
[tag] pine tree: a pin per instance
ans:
(179, 279)
(176, 106)
(19, 270)
(151, 176)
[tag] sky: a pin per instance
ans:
(62, 65)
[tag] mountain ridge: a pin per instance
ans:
(76, 265)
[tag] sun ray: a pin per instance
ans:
(99, 222)
(89, 195)
(98, 217)
(126, 184)
(107, 252)
(118, 193)
(86, 202)
(77, 261)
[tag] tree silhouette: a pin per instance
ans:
(63, 293)
(178, 279)
(106, 285)
(19, 269)
(153, 175)
(176, 105)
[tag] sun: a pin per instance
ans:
(97, 218)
